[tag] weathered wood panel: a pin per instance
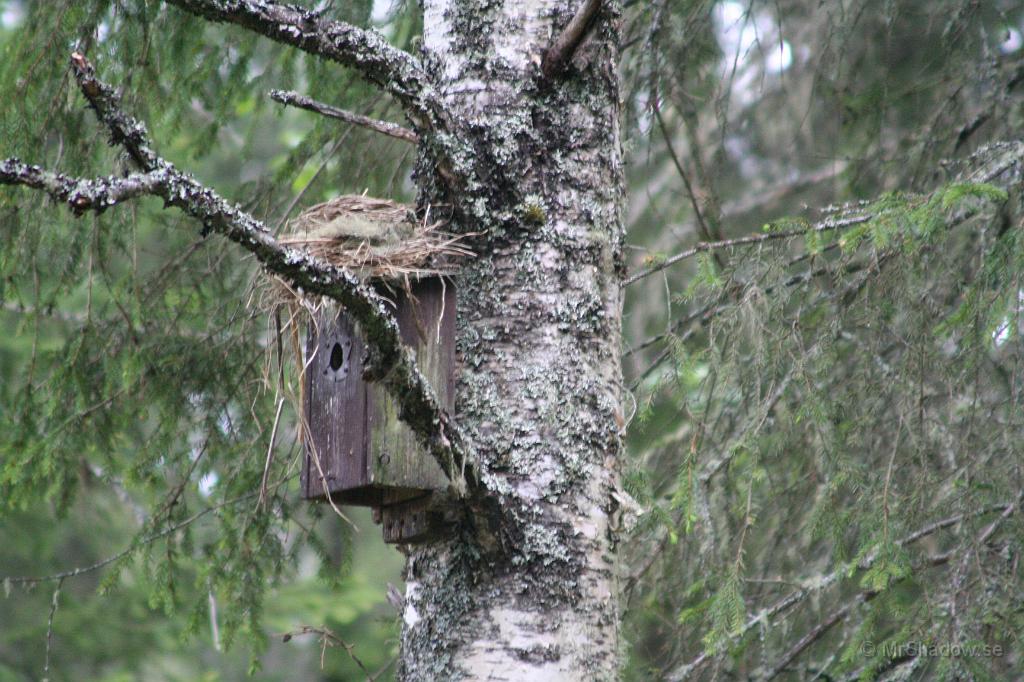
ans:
(427, 323)
(336, 406)
(410, 521)
(366, 455)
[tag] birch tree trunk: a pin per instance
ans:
(533, 597)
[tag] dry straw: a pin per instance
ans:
(376, 239)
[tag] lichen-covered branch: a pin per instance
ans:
(394, 70)
(81, 195)
(391, 362)
(125, 131)
(294, 99)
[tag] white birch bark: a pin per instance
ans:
(534, 595)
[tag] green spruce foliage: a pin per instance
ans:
(827, 435)
(140, 386)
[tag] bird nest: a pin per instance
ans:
(374, 238)
(378, 240)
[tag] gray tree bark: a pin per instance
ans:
(532, 596)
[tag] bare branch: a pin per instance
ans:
(394, 70)
(54, 601)
(705, 232)
(562, 49)
(782, 190)
(817, 632)
(840, 614)
(328, 639)
(711, 205)
(390, 361)
(294, 99)
(135, 545)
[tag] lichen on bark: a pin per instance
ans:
(539, 384)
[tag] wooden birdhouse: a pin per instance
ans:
(357, 451)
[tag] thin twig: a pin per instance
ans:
(270, 454)
(711, 206)
(82, 570)
(49, 627)
(704, 231)
(395, 71)
(214, 625)
(888, 481)
(288, 97)
(329, 638)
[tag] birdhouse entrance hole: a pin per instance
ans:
(338, 353)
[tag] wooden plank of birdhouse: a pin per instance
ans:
(336, 404)
(426, 319)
